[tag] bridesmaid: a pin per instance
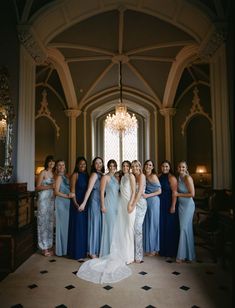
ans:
(109, 196)
(62, 203)
(77, 238)
(169, 221)
(45, 207)
(141, 206)
(151, 228)
(94, 212)
(186, 209)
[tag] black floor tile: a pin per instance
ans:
(44, 272)
(185, 288)
(17, 306)
(169, 261)
(61, 306)
(175, 273)
(32, 286)
(53, 260)
(146, 288)
(69, 287)
(150, 306)
(75, 272)
(195, 306)
(106, 306)
(108, 287)
(143, 273)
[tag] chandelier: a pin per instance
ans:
(121, 121)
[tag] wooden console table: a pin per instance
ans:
(17, 226)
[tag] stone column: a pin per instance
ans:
(222, 177)
(72, 114)
(26, 121)
(168, 113)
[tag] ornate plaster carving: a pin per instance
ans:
(73, 113)
(45, 112)
(28, 39)
(168, 112)
(213, 41)
(196, 109)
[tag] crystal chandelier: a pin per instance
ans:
(121, 121)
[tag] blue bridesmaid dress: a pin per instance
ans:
(109, 217)
(62, 218)
(186, 210)
(151, 221)
(169, 222)
(94, 219)
(77, 237)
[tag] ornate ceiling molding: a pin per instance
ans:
(216, 37)
(29, 41)
(196, 109)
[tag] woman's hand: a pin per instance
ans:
(145, 196)
(130, 207)
(172, 209)
(82, 207)
(103, 210)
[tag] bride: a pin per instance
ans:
(113, 267)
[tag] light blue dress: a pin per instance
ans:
(94, 219)
(186, 210)
(62, 206)
(151, 225)
(109, 217)
(45, 215)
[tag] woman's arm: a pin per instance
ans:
(91, 184)
(130, 206)
(103, 183)
(191, 190)
(173, 186)
(74, 179)
(141, 184)
(57, 188)
(40, 178)
(156, 192)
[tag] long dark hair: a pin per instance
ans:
(153, 170)
(93, 169)
(48, 159)
(125, 162)
(112, 161)
(79, 158)
(169, 163)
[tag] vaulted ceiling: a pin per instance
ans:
(159, 54)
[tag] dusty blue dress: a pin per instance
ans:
(109, 218)
(77, 237)
(186, 210)
(94, 219)
(169, 222)
(62, 206)
(151, 221)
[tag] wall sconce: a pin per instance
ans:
(39, 169)
(3, 124)
(200, 170)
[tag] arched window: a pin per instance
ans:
(120, 146)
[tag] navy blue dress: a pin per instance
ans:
(169, 223)
(77, 236)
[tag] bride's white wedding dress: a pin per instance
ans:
(113, 267)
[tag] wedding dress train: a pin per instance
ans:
(113, 267)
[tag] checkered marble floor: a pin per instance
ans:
(48, 282)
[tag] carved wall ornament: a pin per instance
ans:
(213, 41)
(45, 112)
(73, 113)
(195, 110)
(7, 116)
(27, 38)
